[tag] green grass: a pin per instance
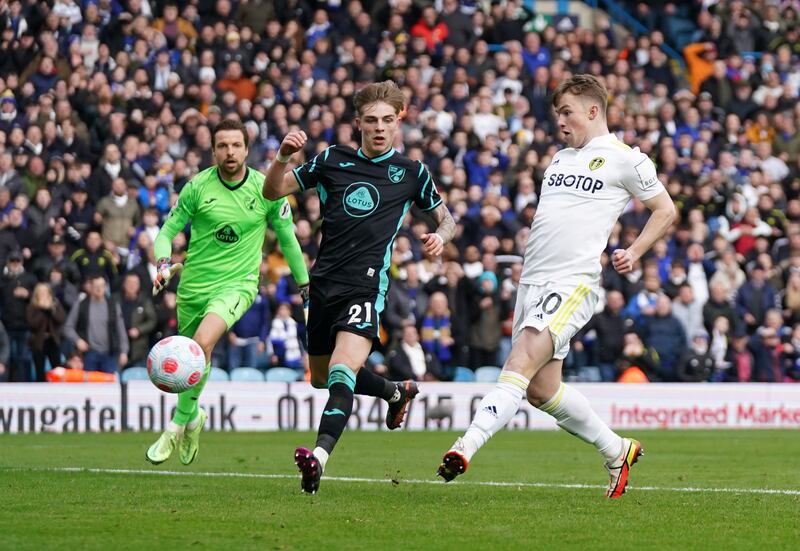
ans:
(48, 509)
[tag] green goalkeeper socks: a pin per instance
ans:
(188, 407)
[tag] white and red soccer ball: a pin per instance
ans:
(176, 364)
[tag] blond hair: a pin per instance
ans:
(386, 91)
(583, 85)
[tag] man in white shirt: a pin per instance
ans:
(583, 192)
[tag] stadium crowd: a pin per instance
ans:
(106, 108)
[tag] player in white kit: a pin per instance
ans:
(583, 192)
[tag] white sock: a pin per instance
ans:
(173, 427)
(322, 457)
(495, 411)
(574, 414)
(191, 425)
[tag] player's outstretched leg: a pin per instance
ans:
(494, 412)
(398, 395)
(190, 443)
(341, 382)
(573, 413)
(162, 449)
(398, 404)
(619, 469)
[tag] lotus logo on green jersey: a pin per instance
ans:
(226, 234)
(596, 163)
(361, 199)
(396, 173)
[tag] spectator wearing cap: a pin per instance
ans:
(55, 256)
(755, 297)
(16, 284)
(9, 115)
(77, 213)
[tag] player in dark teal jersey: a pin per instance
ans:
(219, 282)
(365, 195)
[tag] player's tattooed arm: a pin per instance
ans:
(433, 243)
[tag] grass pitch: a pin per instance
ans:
(691, 490)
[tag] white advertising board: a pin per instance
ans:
(235, 406)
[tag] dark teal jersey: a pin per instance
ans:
(364, 202)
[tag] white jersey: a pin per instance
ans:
(582, 195)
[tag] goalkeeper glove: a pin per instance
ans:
(165, 271)
(305, 293)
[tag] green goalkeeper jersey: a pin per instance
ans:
(228, 222)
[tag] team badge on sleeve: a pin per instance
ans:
(596, 163)
(396, 173)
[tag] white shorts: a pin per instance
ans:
(563, 308)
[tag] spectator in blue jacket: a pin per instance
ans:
(665, 334)
(755, 297)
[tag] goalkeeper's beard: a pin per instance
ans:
(230, 175)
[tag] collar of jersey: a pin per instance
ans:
(601, 137)
(237, 185)
(379, 158)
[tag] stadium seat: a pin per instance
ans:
(463, 375)
(282, 375)
(249, 374)
(135, 374)
(218, 374)
(487, 374)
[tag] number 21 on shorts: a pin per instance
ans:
(355, 313)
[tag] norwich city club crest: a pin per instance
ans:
(596, 163)
(396, 173)
(227, 235)
(361, 199)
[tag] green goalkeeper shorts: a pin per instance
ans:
(229, 303)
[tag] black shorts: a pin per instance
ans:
(335, 307)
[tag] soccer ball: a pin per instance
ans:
(176, 364)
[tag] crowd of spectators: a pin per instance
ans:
(106, 108)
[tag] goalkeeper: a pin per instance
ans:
(220, 279)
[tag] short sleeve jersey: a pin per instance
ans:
(583, 193)
(364, 201)
(229, 223)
